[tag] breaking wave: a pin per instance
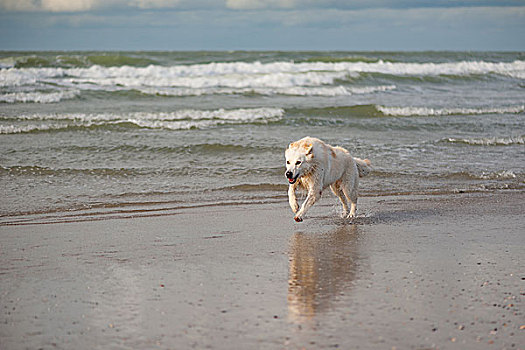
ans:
(234, 75)
(232, 71)
(490, 141)
(39, 97)
(426, 111)
(504, 174)
(244, 75)
(74, 60)
(291, 91)
(379, 111)
(179, 120)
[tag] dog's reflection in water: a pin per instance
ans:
(322, 268)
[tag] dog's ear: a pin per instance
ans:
(308, 148)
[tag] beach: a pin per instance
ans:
(411, 272)
(144, 203)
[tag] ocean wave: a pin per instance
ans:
(290, 91)
(504, 174)
(15, 129)
(38, 97)
(233, 80)
(489, 141)
(379, 111)
(194, 77)
(455, 176)
(74, 60)
(253, 74)
(427, 111)
(499, 175)
(189, 170)
(262, 187)
(334, 59)
(242, 114)
(34, 170)
(178, 120)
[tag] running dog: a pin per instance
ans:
(315, 165)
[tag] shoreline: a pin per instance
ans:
(154, 209)
(411, 272)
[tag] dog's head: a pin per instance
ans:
(298, 156)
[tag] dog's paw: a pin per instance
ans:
(352, 214)
(298, 219)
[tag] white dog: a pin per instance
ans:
(315, 165)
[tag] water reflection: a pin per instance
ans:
(322, 268)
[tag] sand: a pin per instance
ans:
(412, 272)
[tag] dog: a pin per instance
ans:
(315, 165)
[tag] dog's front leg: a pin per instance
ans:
(292, 199)
(313, 196)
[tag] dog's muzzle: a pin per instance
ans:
(290, 177)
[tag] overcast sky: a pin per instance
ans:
(262, 25)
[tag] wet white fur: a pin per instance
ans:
(316, 165)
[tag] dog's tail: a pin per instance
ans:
(363, 166)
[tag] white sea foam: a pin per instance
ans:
(181, 76)
(178, 120)
(244, 75)
(515, 69)
(38, 97)
(236, 81)
(504, 174)
(371, 89)
(490, 141)
(16, 77)
(16, 129)
(426, 111)
(292, 91)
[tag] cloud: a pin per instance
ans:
(241, 5)
(18, 5)
(90, 5)
(362, 4)
(260, 4)
(412, 19)
(51, 5)
(69, 5)
(151, 4)
(210, 25)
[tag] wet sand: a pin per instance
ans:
(412, 272)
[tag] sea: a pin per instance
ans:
(96, 135)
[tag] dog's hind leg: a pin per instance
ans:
(336, 189)
(349, 187)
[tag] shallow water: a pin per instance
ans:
(92, 130)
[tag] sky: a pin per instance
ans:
(350, 25)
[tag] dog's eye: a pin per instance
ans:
(298, 162)
(287, 162)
